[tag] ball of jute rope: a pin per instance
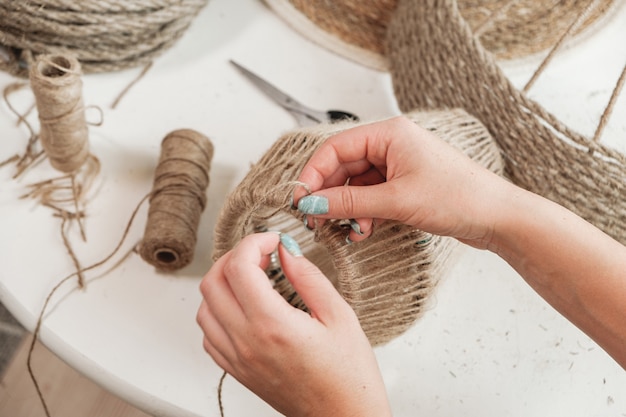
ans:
(57, 86)
(177, 200)
(105, 35)
(436, 62)
(388, 277)
(507, 28)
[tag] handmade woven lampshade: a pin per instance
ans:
(357, 29)
(436, 62)
(387, 278)
(104, 35)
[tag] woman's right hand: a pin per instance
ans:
(397, 170)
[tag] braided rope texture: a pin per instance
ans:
(509, 29)
(436, 62)
(104, 35)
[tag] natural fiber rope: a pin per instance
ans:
(508, 28)
(56, 83)
(177, 200)
(181, 178)
(436, 62)
(105, 35)
(386, 278)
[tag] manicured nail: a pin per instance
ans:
(290, 244)
(313, 204)
(356, 227)
(348, 240)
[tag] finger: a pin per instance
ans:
(370, 177)
(316, 291)
(217, 356)
(248, 281)
(216, 341)
(361, 229)
(354, 202)
(361, 145)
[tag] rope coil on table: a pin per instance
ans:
(507, 28)
(104, 35)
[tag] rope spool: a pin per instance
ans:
(57, 86)
(508, 28)
(177, 200)
(387, 278)
(104, 35)
(429, 68)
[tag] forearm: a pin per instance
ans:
(574, 266)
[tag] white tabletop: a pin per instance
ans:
(488, 346)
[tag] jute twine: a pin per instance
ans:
(436, 62)
(386, 278)
(177, 200)
(105, 35)
(56, 83)
(508, 28)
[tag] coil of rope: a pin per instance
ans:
(104, 35)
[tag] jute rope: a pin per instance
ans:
(177, 200)
(56, 83)
(436, 62)
(507, 28)
(105, 35)
(386, 278)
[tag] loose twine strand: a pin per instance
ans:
(177, 199)
(179, 171)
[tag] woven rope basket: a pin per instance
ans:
(104, 35)
(386, 278)
(436, 62)
(509, 28)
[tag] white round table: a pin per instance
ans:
(487, 346)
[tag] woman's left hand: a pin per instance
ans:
(301, 364)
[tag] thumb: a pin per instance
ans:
(315, 289)
(351, 202)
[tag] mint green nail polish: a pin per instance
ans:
(356, 227)
(290, 244)
(313, 204)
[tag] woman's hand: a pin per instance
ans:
(301, 364)
(399, 171)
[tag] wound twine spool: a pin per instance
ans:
(508, 28)
(177, 200)
(105, 35)
(386, 278)
(432, 50)
(56, 83)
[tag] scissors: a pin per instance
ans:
(304, 115)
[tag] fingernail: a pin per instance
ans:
(290, 244)
(306, 222)
(348, 240)
(356, 227)
(313, 204)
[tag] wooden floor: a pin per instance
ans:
(67, 393)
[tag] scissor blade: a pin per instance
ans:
(273, 92)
